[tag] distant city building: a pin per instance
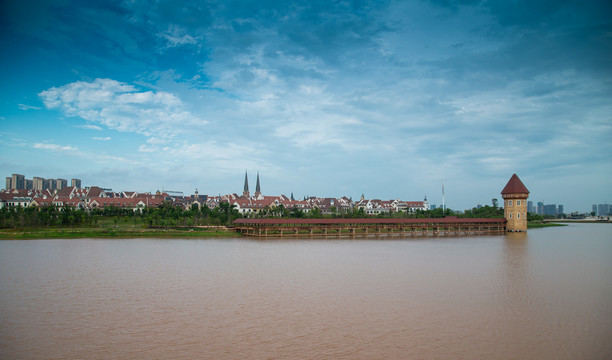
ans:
(603, 209)
(540, 209)
(18, 182)
(432, 207)
(595, 209)
(61, 183)
(560, 210)
(530, 208)
(550, 210)
(38, 183)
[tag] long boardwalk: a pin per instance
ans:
(369, 227)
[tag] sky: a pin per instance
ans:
(322, 98)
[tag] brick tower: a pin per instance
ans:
(515, 196)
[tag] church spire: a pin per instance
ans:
(257, 187)
(245, 193)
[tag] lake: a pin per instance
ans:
(546, 294)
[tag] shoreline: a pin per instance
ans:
(77, 233)
(156, 232)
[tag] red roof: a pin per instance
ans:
(302, 221)
(515, 186)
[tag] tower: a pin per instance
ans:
(245, 193)
(515, 196)
(257, 187)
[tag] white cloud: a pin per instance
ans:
(122, 107)
(25, 107)
(101, 138)
(90, 127)
(55, 147)
(177, 36)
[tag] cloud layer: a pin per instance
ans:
(331, 98)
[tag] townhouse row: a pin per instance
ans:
(94, 197)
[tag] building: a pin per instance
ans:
(38, 183)
(530, 208)
(18, 182)
(61, 183)
(540, 208)
(560, 210)
(602, 209)
(515, 196)
(550, 210)
(9, 181)
(245, 192)
(76, 183)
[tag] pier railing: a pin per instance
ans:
(369, 227)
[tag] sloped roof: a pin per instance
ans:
(515, 186)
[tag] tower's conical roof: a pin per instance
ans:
(257, 187)
(515, 186)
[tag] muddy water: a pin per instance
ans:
(542, 295)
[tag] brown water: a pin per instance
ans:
(544, 295)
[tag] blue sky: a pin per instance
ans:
(326, 98)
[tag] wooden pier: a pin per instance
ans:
(369, 227)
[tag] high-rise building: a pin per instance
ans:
(515, 196)
(52, 184)
(594, 209)
(9, 181)
(38, 183)
(603, 209)
(18, 182)
(76, 183)
(530, 208)
(61, 183)
(540, 208)
(550, 210)
(560, 210)
(29, 185)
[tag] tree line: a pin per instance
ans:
(167, 215)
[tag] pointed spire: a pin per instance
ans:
(292, 199)
(257, 187)
(246, 185)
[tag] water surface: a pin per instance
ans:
(546, 294)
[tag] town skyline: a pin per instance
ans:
(386, 99)
(53, 185)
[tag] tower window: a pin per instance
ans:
(509, 202)
(510, 215)
(518, 202)
(518, 216)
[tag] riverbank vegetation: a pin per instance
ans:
(169, 221)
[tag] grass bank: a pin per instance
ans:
(118, 232)
(539, 224)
